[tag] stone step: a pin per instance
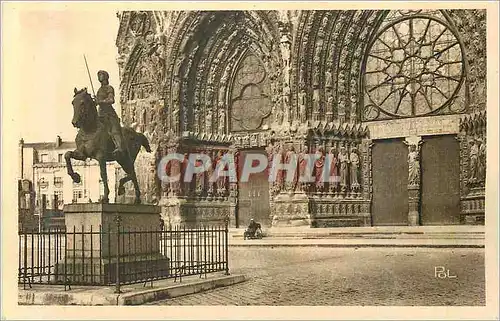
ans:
(393, 232)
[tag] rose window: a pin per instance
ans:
(414, 67)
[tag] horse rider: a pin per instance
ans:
(105, 98)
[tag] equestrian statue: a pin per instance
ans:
(101, 137)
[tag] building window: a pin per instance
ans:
(43, 183)
(60, 158)
(58, 181)
(414, 67)
(77, 194)
(47, 200)
(44, 158)
(60, 199)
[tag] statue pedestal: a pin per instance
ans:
(290, 210)
(193, 212)
(92, 243)
(413, 205)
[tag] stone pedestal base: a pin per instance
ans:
(92, 243)
(339, 212)
(195, 212)
(290, 210)
(413, 205)
(473, 208)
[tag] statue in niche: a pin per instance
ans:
(185, 187)
(330, 106)
(178, 66)
(344, 168)
(222, 119)
(290, 158)
(473, 161)
(413, 166)
(278, 112)
(222, 93)
(354, 164)
(303, 169)
(316, 74)
(225, 76)
(209, 174)
(302, 77)
(302, 106)
(316, 102)
(328, 77)
(481, 163)
(221, 179)
(285, 50)
(200, 178)
(333, 171)
(318, 168)
(278, 153)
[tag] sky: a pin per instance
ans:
(49, 58)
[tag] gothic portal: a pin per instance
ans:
(396, 98)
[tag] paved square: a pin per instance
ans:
(348, 276)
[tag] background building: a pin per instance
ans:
(44, 177)
(398, 97)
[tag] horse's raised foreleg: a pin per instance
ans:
(76, 154)
(104, 178)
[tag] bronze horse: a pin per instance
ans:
(93, 141)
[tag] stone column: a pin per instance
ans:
(414, 173)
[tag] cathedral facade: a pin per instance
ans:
(395, 98)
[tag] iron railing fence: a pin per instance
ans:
(115, 255)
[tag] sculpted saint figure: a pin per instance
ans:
(290, 158)
(413, 166)
(334, 173)
(303, 169)
(354, 162)
(105, 98)
(473, 162)
(481, 171)
(319, 164)
(328, 79)
(344, 168)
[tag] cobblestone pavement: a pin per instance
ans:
(348, 276)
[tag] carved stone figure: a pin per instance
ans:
(302, 77)
(290, 157)
(303, 172)
(316, 102)
(222, 119)
(221, 179)
(285, 50)
(473, 162)
(333, 171)
(200, 178)
(316, 75)
(318, 168)
(354, 165)
(328, 78)
(302, 106)
(481, 162)
(413, 166)
(344, 168)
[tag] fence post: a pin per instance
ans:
(118, 221)
(226, 249)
